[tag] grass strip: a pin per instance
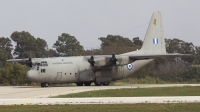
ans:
(143, 107)
(138, 92)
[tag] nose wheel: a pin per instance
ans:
(44, 84)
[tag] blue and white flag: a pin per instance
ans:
(155, 40)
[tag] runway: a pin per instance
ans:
(11, 95)
(103, 100)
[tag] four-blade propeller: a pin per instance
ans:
(29, 62)
(113, 59)
(91, 60)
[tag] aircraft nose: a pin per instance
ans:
(32, 75)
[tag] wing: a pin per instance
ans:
(156, 56)
(17, 60)
(27, 61)
(109, 60)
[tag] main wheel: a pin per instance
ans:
(87, 83)
(97, 84)
(106, 83)
(44, 84)
(79, 84)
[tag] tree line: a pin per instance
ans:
(179, 69)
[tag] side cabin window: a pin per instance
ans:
(44, 63)
(42, 70)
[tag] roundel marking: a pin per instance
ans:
(129, 66)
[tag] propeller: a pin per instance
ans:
(113, 59)
(91, 60)
(29, 62)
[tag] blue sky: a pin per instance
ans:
(88, 20)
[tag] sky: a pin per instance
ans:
(89, 20)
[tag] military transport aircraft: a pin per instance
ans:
(100, 69)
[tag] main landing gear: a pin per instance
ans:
(99, 84)
(85, 83)
(44, 84)
(95, 83)
(79, 84)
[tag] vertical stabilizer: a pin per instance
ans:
(154, 42)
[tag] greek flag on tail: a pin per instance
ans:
(155, 40)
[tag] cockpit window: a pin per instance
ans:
(38, 64)
(44, 63)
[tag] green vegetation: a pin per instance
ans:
(28, 46)
(143, 107)
(13, 74)
(145, 80)
(149, 80)
(118, 44)
(68, 45)
(136, 92)
(5, 50)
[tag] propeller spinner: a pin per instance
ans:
(29, 62)
(91, 60)
(113, 59)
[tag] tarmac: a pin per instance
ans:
(35, 95)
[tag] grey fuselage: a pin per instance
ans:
(77, 69)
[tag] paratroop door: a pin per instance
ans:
(59, 76)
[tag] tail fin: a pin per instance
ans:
(154, 42)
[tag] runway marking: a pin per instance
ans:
(19, 92)
(46, 94)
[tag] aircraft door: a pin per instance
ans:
(77, 75)
(59, 76)
(56, 72)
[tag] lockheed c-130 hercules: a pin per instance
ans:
(100, 69)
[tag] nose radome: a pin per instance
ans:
(31, 74)
(28, 74)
